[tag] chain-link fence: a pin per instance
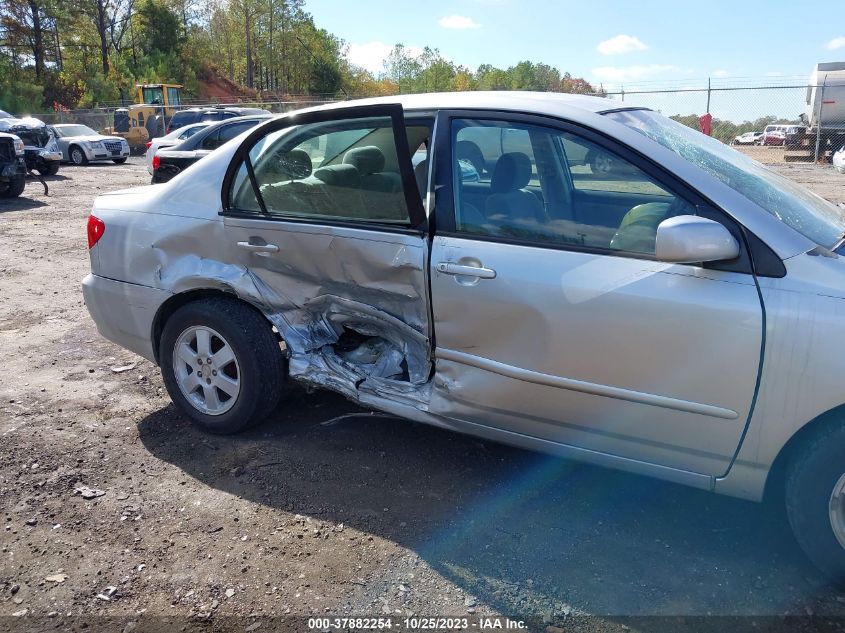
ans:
(773, 123)
(103, 118)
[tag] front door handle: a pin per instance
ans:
(448, 268)
(259, 248)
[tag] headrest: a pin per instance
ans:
(339, 175)
(368, 160)
(296, 164)
(472, 152)
(512, 172)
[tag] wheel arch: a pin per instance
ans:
(173, 303)
(775, 480)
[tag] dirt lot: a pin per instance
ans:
(364, 515)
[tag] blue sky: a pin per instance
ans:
(651, 43)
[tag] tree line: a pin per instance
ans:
(88, 53)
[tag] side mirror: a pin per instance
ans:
(688, 239)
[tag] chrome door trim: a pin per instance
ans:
(571, 384)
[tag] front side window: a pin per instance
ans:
(554, 187)
(811, 215)
(333, 170)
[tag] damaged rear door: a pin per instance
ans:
(322, 212)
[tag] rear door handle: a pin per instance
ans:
(258, 248)
(448, 268)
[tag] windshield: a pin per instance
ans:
(809, 214)
(74, 130)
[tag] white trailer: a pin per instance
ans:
(826, 97)
(824, 115)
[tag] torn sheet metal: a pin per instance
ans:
(324, 287)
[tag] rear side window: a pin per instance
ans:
(212, 141)
(334, 170)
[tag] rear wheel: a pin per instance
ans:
(222, 364)
(815, 500)
(78, 156)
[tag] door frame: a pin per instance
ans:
(394, 111)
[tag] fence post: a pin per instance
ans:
(623, 93)
(708, 96)
(819, 121)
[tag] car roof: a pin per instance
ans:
(524, 101)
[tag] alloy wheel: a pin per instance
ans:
(206, 370)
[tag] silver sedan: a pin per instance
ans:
(679, 316)
(80, 144)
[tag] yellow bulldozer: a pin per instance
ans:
(147, 118)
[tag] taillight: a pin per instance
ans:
(148, 143)
(96, 228)
(156, 162)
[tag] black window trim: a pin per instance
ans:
(443, 215)
(393, 111)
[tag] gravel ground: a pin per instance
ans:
(309, 516)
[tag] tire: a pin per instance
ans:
(15, 188)
(257, 366)
(49, 169)
(815, 474)
(118, 161)
(77, 156)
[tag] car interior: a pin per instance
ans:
(332, 171)
(529, 189)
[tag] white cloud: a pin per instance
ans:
(371, 55)
(720, 73)
(631, 73)
(458, 22)
(836, 42)
(621, 44)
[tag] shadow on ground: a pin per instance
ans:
(516, 529)
(22, 203)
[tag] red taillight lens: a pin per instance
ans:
(148, 143)
(96, 228)
(156, 162)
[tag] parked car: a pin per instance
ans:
(683, 323)
(169, 140)
(12, 166)
(221, 113)
(748, 138)
(839, 160)
(41, 151)
(169, 162)
(774, 137)
(80, 145)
